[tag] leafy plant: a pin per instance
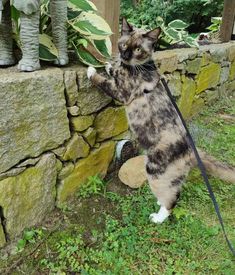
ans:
(94, 185)
(215, 26)
(196, 13)
(29, 236)
(88, 33)
(68, 253)
(175, 32)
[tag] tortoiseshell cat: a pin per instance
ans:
(152, 118)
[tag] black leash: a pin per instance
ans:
(201, 167)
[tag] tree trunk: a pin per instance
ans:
(228, 20)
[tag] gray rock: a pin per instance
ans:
(29, 162)
(66, 171)
(71, 88)
(12, 172)
(91, 100)
(90, 136)
(33, 115)
(59, 152)
(81, 123)
(74, 110)
(28, 197)
(110, 123)
(76, 148)
(224, 74)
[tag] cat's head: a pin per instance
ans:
(136, 45)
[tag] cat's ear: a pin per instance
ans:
(153, 34)
(126, 27)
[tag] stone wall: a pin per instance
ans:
(198, 76)
(56, 130)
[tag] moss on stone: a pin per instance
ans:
(96, 163)
(76, 148)
(2, 237)
(111, 122)
(232, 71)
(29, 196)
(90, 136)
(187, 96)
(81, 123)
(208, 77)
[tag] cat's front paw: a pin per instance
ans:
(108, 68)
(91, 71)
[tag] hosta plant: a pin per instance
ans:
(174, 33)
(88, 33)
(215, 24)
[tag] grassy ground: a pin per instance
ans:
(106, 230)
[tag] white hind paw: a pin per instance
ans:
(160, 216)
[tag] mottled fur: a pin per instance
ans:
(152, 117)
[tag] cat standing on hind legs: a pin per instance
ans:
(152, 118)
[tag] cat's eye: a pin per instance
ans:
(138, 50)
(124, 46)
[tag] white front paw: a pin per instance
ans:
(91, 72)
(108, 67)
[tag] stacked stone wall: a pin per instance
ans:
(56, 130)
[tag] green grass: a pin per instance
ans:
(106, 230)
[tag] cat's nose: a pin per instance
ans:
(126, 55)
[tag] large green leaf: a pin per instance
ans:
(173, 34)
(82, 5)
(216, 20)
(15, 14)
(90, 24)
(191, 41)
(178, 24)
(72, 14)
(86, 57)
(47, 49)
(104, 47)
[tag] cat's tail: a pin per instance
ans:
(216, 168)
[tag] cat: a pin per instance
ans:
(153, 119)
(29, 33)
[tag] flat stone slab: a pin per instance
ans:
(33, 115)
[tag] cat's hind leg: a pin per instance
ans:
(167, 196)
(167, 187)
